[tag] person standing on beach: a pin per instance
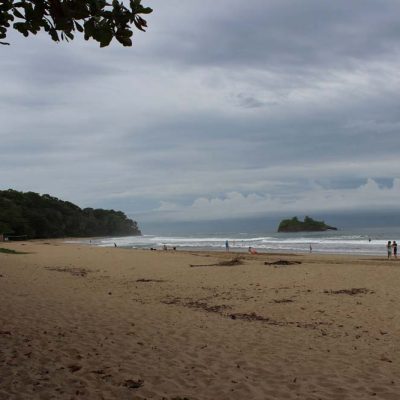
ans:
(389, 249)
(394, 246)
(226, 245)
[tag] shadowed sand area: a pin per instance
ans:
(79, 322)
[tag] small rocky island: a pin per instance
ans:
(308, 225)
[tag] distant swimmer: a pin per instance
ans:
(394, 246)
(310, 248)
(226, 245)
(115, 245)
(369, 239)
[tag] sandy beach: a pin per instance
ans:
(79, 322)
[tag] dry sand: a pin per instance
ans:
(79, 322)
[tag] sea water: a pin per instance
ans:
(358, 241)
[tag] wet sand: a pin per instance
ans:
(78, 322)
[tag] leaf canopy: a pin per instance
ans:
(61, 19)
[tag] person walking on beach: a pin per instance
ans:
(389, 249)
(394, 246)
(226, 245)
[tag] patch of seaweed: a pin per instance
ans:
(204, 306)
(225, 263)
(249, 317)
(278, 301)
(198, 305)
(74, 271)
(350, 292)
(282, 262)
(133, 384)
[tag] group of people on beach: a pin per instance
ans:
(391, 248)
(251, 250)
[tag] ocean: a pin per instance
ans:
(356, 241)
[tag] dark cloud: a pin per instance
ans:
(384, 182)
(280, 34)
(247, 101)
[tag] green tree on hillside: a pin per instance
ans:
(45, 216)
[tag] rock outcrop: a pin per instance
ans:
(308, 225)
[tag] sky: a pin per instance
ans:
(221, 110)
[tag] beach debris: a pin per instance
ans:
(177, 398)
(74, 271)
(282, 262)
(350, 292)
(98, 372)
(132, 384)
(250, 317)
(204, 306)
(278, 301)
(74, 367)
(5, 333)
(225, 263)
(149, 280)
(198, 305)
(10, 251)
(386, 359)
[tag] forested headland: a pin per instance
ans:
(44, 216)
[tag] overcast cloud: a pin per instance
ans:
(222, 109)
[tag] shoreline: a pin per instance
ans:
(245, 251)
(348, 243)
(86, 322)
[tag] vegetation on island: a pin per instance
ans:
(43, 216)
(308, 225)
(96, 19)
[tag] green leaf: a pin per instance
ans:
(18, 14)
(146, 10)
(78, 26)
(125, 41)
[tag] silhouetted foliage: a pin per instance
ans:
(96, 19)
(44, 216)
